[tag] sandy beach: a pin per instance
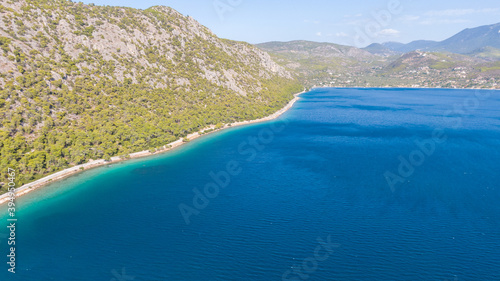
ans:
(22, 190)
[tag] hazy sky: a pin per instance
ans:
(349, 22)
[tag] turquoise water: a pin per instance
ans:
(348, 185)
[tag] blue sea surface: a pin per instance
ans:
(349, 184)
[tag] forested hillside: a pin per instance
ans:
(80, 82)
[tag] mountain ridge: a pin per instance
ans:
(325, 64)
(465, 41)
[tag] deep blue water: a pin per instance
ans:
(308, 199)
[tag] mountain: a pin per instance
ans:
(418, 60)
(393, 45)
(472, 39)
(464, 42)
(381, 50)
(412, 46)
(487, 53)
(309, 49)
(326, 64)
(80, 82)
(314, 60)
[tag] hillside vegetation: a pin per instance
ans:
(81, 82)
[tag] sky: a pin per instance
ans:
(348, 22)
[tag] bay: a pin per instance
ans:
(317, 194)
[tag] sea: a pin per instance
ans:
(349, 184)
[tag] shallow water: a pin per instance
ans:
(306, 198)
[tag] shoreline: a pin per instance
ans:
(391, 87)
(26, 188)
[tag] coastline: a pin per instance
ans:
(392, 87)
(26, 188)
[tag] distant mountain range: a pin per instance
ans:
(309, 59)
(469, 59)
(468, 41)
(307, 50)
